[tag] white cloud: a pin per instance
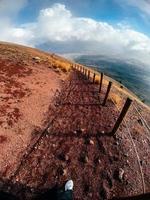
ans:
(57, 27)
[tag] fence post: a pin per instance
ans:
(101, 81)
(122, 115)
(107, 93)
(81, 69)
(88, 74)
(94, 77)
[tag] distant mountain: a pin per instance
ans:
(134, 76)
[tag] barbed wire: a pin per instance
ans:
(142, 118)
(135, 149)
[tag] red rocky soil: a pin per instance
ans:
(28, 83)
(78, 145)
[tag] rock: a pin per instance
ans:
(84, 158)
(53, 145)
(127, 161)
(125, 154)
(121, 174)
(32, 190)
(83, 130)
(116, 143)
(57, 70)
(75, 132)
(49, 130)
(17, 179)
(62, 171)
(36, 58)
(97, 160)
(91, 142)
(66, 157)
(63, 157)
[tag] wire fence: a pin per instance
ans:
(133, 115)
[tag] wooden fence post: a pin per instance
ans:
(94, 78)
(107, 93)
(88, 74)
(101, 81)
(122, 115)
(85, 73)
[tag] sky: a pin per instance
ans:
(117, 29)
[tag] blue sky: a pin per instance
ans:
(114, 28)
(111, 11)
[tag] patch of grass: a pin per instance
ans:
(116, 99)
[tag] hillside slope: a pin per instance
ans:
(29, 79)
(54, 127)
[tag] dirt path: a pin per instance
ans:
(76, 146)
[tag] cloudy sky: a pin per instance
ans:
(113, 28)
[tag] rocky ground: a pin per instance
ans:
(76, 144)
(28, 82)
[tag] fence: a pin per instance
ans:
(119, 95)
(132, 112)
